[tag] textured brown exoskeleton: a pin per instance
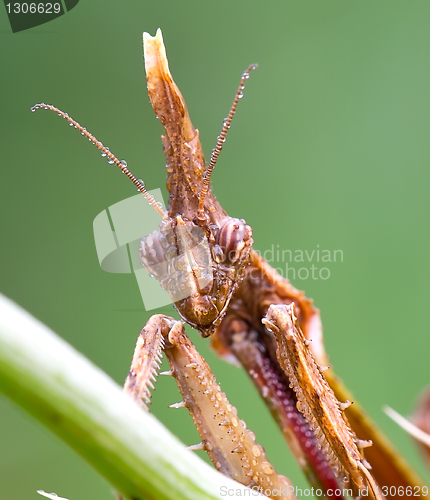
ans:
(192, 204)
(224, 289)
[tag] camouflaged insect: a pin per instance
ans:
(220, 286)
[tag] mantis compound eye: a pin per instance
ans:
(234, 240)
(153, 254)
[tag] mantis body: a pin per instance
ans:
(225, 290)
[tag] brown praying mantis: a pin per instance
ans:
(250, 313)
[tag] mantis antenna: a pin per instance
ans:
(221, 137)
(122, 164)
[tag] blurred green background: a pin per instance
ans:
(329, 147)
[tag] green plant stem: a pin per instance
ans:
(82, 405)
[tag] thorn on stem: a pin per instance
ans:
(182, 404)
